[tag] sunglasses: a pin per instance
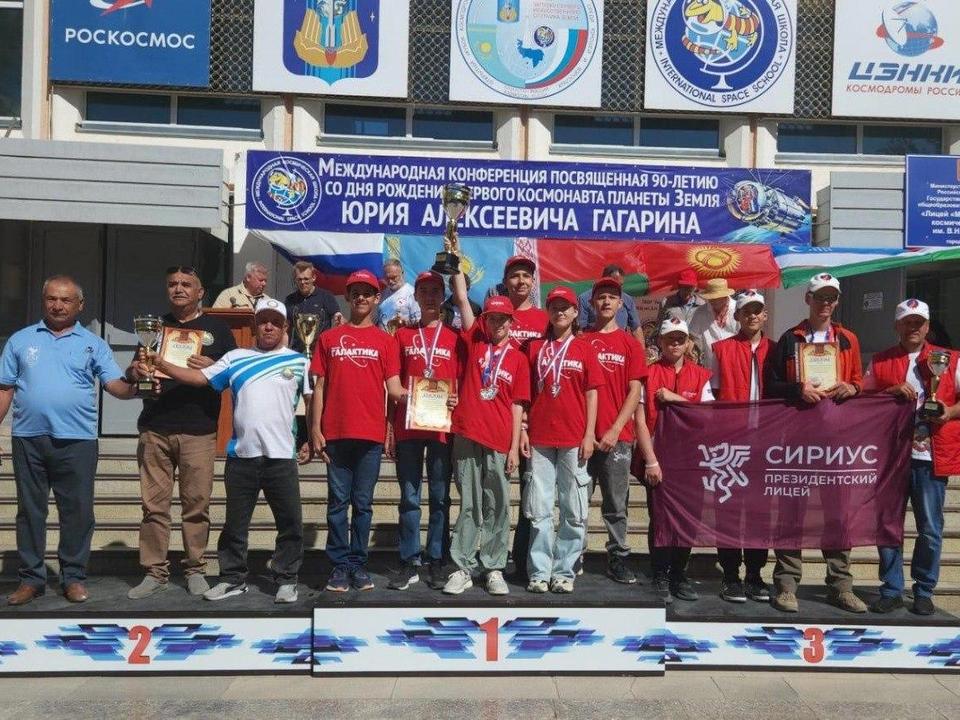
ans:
(185, 269)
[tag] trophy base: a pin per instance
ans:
(145, 387)
(931, 409)
(446, 263)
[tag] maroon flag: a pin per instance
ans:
(773, 475)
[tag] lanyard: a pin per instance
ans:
(488, 378)
(554, 365)
(428, 356)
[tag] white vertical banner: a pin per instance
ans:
(527, 52)
(331, 47)
(897, 59)
(721, 55)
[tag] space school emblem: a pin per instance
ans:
(721, 53)
(331, 39)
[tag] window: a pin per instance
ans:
(364, 120)
(129, 108)
(219, 112)
(173, 110)
(11, 59)
(854, 139)
(629, 131)
(453, 124)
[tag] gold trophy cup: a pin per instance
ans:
(456, 198)
(148, 329)
(307, 325)
(938, 361)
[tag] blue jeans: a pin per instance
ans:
(351, 476)
(410, 454)
(558, 477)
(927, 495)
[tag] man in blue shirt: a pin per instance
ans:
(48, 371)
(627, 317)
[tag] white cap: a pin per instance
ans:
(912, 307)
(821, 281)
(265, 304)
(747, 297)
(674, 324)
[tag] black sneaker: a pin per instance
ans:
(682, 589)
(757, 590)
(885, 605)
(618, 571)
(661, 588)
(923, 605)
(407, 575)
(339, 580)
(360, 579)
(732, 591)
(436, 574)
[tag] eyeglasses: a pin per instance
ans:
(826, 299)
(185, 269)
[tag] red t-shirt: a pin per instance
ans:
(490, 422)
(529, 324)
(447, 358)
(561, 420)
(622, 359)
(355, 362)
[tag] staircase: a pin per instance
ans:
(118, 516)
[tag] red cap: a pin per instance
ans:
(562, 292)
(364, 277)
(429, 276)
(498, 304)
(519, 260)
(610, 281)
(688, 278)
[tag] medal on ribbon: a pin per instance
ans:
(428, 356)
(550, 363)
(488, 377)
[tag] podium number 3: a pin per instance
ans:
(141, 634)
(814, 652)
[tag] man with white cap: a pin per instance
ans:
(715, 320)
(783, 381)
(674, 378)
(267, 382)
(739, 365)
(904, 371)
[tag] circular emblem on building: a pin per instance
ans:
(526, 50)
(909, 28)
(286, 190)
(721, 53)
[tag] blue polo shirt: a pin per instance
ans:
(54, 381)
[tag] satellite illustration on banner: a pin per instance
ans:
(527, 51)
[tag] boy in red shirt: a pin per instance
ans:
(428, 350)
(623, 362)
(672, 379)
(352, 364)
(494, 387)
(739, 365)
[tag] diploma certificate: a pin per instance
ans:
(427, 404)
(178, 344)
(819, 364)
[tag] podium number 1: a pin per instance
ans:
(490, 628)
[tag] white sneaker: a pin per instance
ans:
(286, 594)
(458, 582)
(496, 585)
(561, 585)
(221, 591)
(537, 586)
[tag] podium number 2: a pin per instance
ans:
(141, 634)
(814, 652)
(490, 628)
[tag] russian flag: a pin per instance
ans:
(335, 255)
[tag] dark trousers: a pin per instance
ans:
(244, 478)
(410, 462)
(351, 477)
(42, 464)
(669, 561)
(521, 535)
(730, 559)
